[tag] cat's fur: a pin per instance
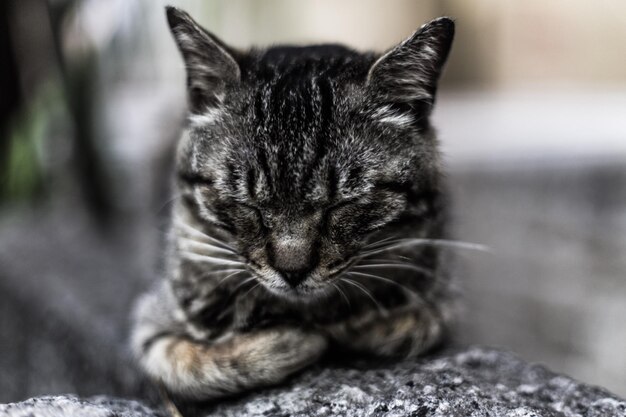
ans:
(297, 163)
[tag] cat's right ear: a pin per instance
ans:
(407, 75)
(211, 66)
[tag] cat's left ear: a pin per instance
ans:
(211, 65)
(407, 75)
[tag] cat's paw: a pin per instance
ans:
(273, 354)
(401, 333)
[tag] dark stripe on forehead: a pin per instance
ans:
(327, 106)
(259, 112)
(265, 167)
(263, 105)
(276, 102)
(323, 95)
(327, 99)
(251, 182)
(308, 99)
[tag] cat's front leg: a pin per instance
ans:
(238, 363)
(404, 332)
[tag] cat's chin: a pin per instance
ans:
(299, 295)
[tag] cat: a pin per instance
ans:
(312, 214)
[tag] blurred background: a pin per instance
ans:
(531, 116)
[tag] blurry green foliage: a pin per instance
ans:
(22, 176)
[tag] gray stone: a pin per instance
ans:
(72, 406)
(475, 381)
(470, 382)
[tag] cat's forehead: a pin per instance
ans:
(294, 109)
(303, 98)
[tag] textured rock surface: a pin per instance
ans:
(71, 406)
(470, 382)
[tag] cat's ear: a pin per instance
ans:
(211, 65)
(407, 75)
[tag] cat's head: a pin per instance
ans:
(301, 156)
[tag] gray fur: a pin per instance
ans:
(297, 167)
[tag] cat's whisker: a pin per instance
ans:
(358, 285)
(441, 242)
(364, 274)
(387, 280)
(193, 231)
(378, 242)
(251, 289)
(432, 242)
(192, 256)
(230, 276)
(221, 271)
(343, 294)
(382, 243)
(244, 282)
(207, 246)
(388, 260)
(391, 257)
(411, 267)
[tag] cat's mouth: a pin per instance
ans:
(294, 294)
(309, 287)
(313, 284)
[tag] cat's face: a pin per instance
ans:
(301, 156)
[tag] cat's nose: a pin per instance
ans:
(294, 278)
(294, 258)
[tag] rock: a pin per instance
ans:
(470, 382)
(71, 406)
(473, 382)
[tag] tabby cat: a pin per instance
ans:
(311, 217)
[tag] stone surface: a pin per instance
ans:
(71, 406)
(477, 382)
(470, 382)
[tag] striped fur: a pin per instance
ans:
(298, 169)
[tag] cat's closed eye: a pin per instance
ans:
(254, 213)
(340, 205)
